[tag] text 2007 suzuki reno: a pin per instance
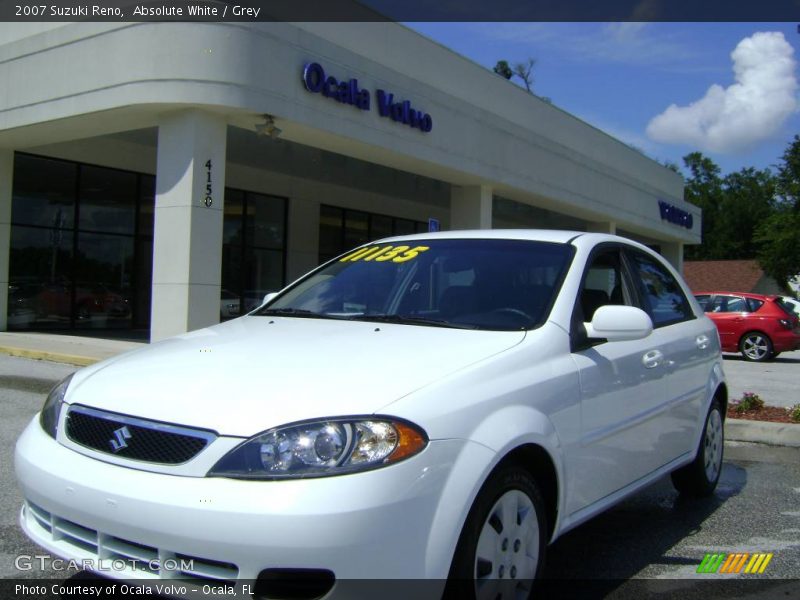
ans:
(438, 406)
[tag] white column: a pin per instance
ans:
(187, 245)
(6, 188)
(302, 242)
(471, 207)
(602, 227)
(673, 252)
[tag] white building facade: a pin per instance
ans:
(143, 187)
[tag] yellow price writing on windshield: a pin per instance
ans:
(397, 254)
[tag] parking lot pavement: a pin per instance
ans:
(777, 381)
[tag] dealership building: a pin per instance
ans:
(165, 175)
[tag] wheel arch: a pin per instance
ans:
(721, 394)
(535, 459)
(514, 435)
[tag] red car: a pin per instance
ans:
(760, 327)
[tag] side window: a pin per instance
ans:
(702, 300)
(753, 304)
(663, 297)
(727, 304)
(604, 284)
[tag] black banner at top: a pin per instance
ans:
(398, 10)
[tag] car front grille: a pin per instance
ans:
(125, 557)
(135, 439)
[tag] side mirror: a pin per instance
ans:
(619, 323)
(268, 297)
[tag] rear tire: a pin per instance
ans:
(501, 549)
(756, 346)
(700, 477)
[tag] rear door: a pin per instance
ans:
(728, 312)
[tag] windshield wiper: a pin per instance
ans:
(411, 320)
(293, 312)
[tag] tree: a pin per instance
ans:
(502, 69)
(703, 189)
(524, 70)
(778, 236)
(748, 200)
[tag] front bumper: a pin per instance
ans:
(373, 524)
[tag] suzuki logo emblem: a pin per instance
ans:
(120, 435)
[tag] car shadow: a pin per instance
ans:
(600, 555)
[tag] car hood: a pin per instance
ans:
(253, 373)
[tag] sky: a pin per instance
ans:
(728, 90)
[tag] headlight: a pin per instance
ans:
(320, 448)
(52, 407)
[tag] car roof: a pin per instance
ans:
(559, 236)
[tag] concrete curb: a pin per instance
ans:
(763, 432)
(70, 359)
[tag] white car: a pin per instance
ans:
(791, 304)
(438, 406)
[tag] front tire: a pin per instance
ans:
(700, 477)
(501, 549)
(756, 346)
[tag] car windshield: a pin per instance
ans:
(466, 283)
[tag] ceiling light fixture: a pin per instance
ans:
(268, 127)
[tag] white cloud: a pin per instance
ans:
(743, 114)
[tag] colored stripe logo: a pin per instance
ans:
(740, 562)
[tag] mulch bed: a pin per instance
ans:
(776, 414)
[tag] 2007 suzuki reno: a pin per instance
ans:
(439, 406)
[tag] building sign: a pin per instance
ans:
(675, 215)
(348, 91)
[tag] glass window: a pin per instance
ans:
(380, 227)
(264, 274)
(603, 285)
(723, 304)
(144, 282)
(232, 222)
(44, 192)
(331, 232)
(702, 300)
(474, 284)
(147, 204)
(404, 227)
(356, 229)
(341, 230)
(753, 304)
(664, 299)
(265, 221)
(39, 290)
(104, 273)
(107, 200)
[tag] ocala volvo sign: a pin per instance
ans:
(317, 81)
(675, 215)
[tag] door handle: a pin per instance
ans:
(652, 359)
(702, 341)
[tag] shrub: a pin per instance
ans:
(748, 402)
(794, 413)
